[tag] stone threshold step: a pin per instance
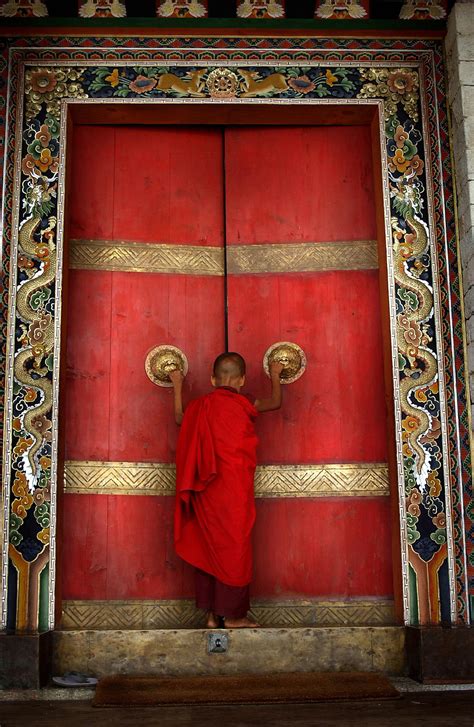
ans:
(255, 651)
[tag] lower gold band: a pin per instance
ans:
(144, 478)
(183, 614)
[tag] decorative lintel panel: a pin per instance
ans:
(145, 478)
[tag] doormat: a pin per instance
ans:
(152, 691)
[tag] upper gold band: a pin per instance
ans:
(144, 257)
(302, 257)
(206, 260)
(145, 478)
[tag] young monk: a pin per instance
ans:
(215, 507)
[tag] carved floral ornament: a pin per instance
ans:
(23, 9)
(398, 87)
(260, 9)
(102, 9)
(181, 9)
(254, 9)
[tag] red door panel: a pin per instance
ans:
(327, 415)
(168, 185)
(121, 547)
(299, 185)
(155, 185)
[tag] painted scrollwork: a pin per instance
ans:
(222, 82)
(418, 366)
(35, 308)
(45, 88)
(395, 86)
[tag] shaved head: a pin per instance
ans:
(229, 366)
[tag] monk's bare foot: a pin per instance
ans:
(212, 622)
(240, 623)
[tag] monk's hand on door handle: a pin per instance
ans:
(176, 376)
(275, 367)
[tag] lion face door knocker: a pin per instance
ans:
(291, 356)
(161, 360)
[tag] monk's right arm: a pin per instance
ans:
(177, 381)
(274, 402)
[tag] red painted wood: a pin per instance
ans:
(147, 184)
(321, 548)
(334, 547)
(84, 547)
(299, 184)
(336, 411)
(91, 183)
(115, 318)
(85, 402)
(113, 411)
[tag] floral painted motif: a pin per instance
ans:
(260, 9)
(23, 9)
(341, 9)
(102, 9)
(49, 87)
(423, 9)
(181, 9)
(397, 86)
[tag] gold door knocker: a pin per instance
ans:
(161, 360)
(291, 356)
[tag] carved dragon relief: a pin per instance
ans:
(37, 339)
(413, 337)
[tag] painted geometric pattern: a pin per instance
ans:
(144, 478)
(99, 615)
(423, 414)
(147, 258)
(304, 257)
(189, 260)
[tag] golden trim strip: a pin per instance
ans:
(327, 480)
(302, 257)
(140, 257)
(145, 478)
(134, 614)
(118, 255)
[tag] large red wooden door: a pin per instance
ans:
(302, 199)
(132, 187)
(288, 191)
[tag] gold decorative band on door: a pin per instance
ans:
(144, 257)
(118, 255)
(307, 257)
(137, 614)
(145, 478)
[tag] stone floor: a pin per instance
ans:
(449, 708)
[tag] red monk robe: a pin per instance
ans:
(215, 466)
